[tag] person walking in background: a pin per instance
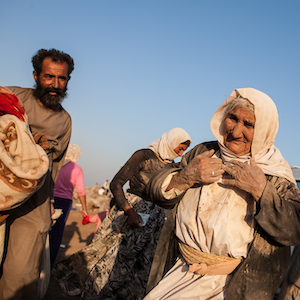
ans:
(106, 186)
(69, 178)
(102, 191)
(25, 272)
(117, 263)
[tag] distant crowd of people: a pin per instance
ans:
(218, 224)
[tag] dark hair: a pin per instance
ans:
(55, 55)
(187, 142)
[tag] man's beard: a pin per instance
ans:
(50, 101)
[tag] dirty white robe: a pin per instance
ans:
(214, 219)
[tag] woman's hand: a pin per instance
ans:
(202, 169)
(248, 178)
(83, 204)
(134, 219)
(84, 213)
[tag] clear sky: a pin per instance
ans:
(143, 67)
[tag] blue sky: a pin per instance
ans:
(144, 67)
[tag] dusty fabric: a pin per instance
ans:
(193, 256)
(290, 289)
(262, 271)
(214, 220)
(28, 225)
(138, 170)
(165, 146)
(265, 154)
(221, 220)
(117, 263)
(203, 263)
(141, 166)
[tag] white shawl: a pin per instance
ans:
(165, 146)
(265, 154)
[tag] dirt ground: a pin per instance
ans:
(76, 236)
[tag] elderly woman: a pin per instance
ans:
(236, 210)
(117, 263)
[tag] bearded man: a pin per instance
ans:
(28, 225)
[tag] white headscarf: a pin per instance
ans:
(165, 146)
(265, 154)
(73, 153)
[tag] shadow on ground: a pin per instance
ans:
(76, 236)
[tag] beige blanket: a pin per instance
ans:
(23, 165)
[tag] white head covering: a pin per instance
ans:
(73, 153)
(265, 154)
(165, 146)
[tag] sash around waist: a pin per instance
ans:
(206, 263)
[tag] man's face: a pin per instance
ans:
(51, 83)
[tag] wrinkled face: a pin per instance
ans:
(51, 83)
(180, 149)
(239, 131)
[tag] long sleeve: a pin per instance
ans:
(154, 188)
(79, 182)
(131, 167)
(278, 211)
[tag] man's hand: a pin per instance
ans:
(202, 169)
(248, 178)
(41, 140)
